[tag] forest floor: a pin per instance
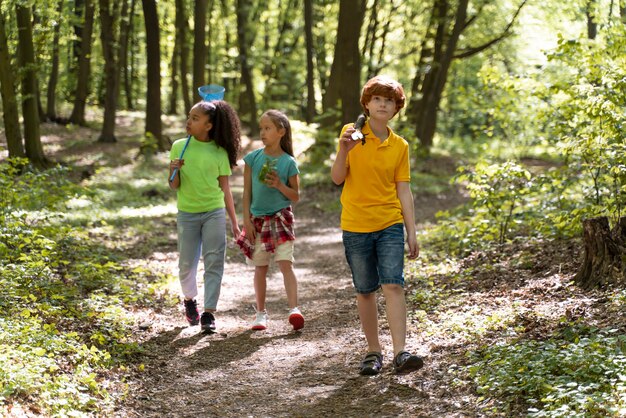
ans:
(314, 372)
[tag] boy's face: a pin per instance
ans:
(381, 108)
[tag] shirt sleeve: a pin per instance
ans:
(224, 166)
(403, 168)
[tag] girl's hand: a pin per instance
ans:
(346, 142)
(177, 163)
(272, 180)
(235, 229)
(248, 226)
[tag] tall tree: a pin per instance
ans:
(126, 33)
(7, 90)
(83, 56)
(108, 25)
(344, 83)
(51, 112)
(592, 24)
(447, 25)
(30, 111)
(200, 50)
(310, 68)
(182, 27)
(244, 41)
(153, 98)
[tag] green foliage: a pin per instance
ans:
(579, 372)
(497, 189)
(268, 167)
(65, 301)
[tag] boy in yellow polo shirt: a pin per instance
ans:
(377, 205)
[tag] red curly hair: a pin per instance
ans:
(385, 87)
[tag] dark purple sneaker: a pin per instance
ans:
(207, 322)
(191, 311)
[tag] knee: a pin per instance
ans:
(285, 267)
(393, 289)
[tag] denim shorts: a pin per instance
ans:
(375, 258)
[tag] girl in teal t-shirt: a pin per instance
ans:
(271, 184)
(203, 191)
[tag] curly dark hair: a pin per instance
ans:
(280, 120)
(226, 130)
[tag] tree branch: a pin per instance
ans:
(468, 52)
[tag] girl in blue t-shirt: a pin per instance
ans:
(271, 185)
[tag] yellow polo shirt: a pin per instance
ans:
(369, 198)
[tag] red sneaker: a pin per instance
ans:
(296, 319)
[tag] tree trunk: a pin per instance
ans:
(181, 30)
(54, 71)
(370, 39)
(425, 108)
(30, 111)
(153, 98)
(84, 58)
(310, 48)
(592, 25)
(199, 46)
(604, 252)
(10, 111)
(111, 71)
(173, 97)
(130, 73)
(622, 11)
(344, 83)
(249, 104)
(126, 25)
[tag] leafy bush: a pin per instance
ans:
(579, 372)
(65, 301)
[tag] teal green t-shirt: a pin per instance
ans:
(199, 189)
(268, 200)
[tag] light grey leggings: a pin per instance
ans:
(202, 234)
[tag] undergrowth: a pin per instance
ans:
(66, 301)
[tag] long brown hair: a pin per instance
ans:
(280, 120)
(226, 130)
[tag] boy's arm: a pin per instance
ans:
(403, 189)
(230, 205)
(247, 201)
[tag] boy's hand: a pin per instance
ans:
(346, 142)
(414, 248)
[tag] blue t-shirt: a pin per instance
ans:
(268, 200)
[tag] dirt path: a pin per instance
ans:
(278, 372)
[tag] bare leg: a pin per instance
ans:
(368, 313)
(291, 284)
(395, 305)
(260, 286)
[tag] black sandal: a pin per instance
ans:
(371, 364)
(406, 362)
